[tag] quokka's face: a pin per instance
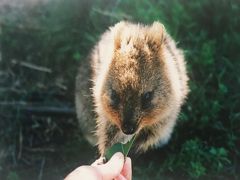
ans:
(136, 92)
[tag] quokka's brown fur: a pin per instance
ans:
(133, 82)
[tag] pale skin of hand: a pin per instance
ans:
(116, 168)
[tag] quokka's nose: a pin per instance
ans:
(128, 128)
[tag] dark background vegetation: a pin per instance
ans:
(41, 45)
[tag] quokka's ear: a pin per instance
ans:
(117, 31)
(156, 35)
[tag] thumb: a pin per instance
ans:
(112, 168)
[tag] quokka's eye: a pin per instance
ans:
(146, 99)
(115, 99)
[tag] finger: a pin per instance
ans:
(99, 161)
(120, 177)
(84, 173)
(113, 167)
(127, 169)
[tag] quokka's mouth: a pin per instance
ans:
(125, 138)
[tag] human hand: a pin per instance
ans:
(115, 168)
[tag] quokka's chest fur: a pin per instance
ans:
(136, 82)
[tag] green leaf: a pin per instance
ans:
(112, 150)
(119, 147)
(126, 147)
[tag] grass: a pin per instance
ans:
(57, 35)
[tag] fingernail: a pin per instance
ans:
(119, 155)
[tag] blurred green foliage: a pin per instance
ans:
(13, 176)
(197, 159)
(59, 34)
